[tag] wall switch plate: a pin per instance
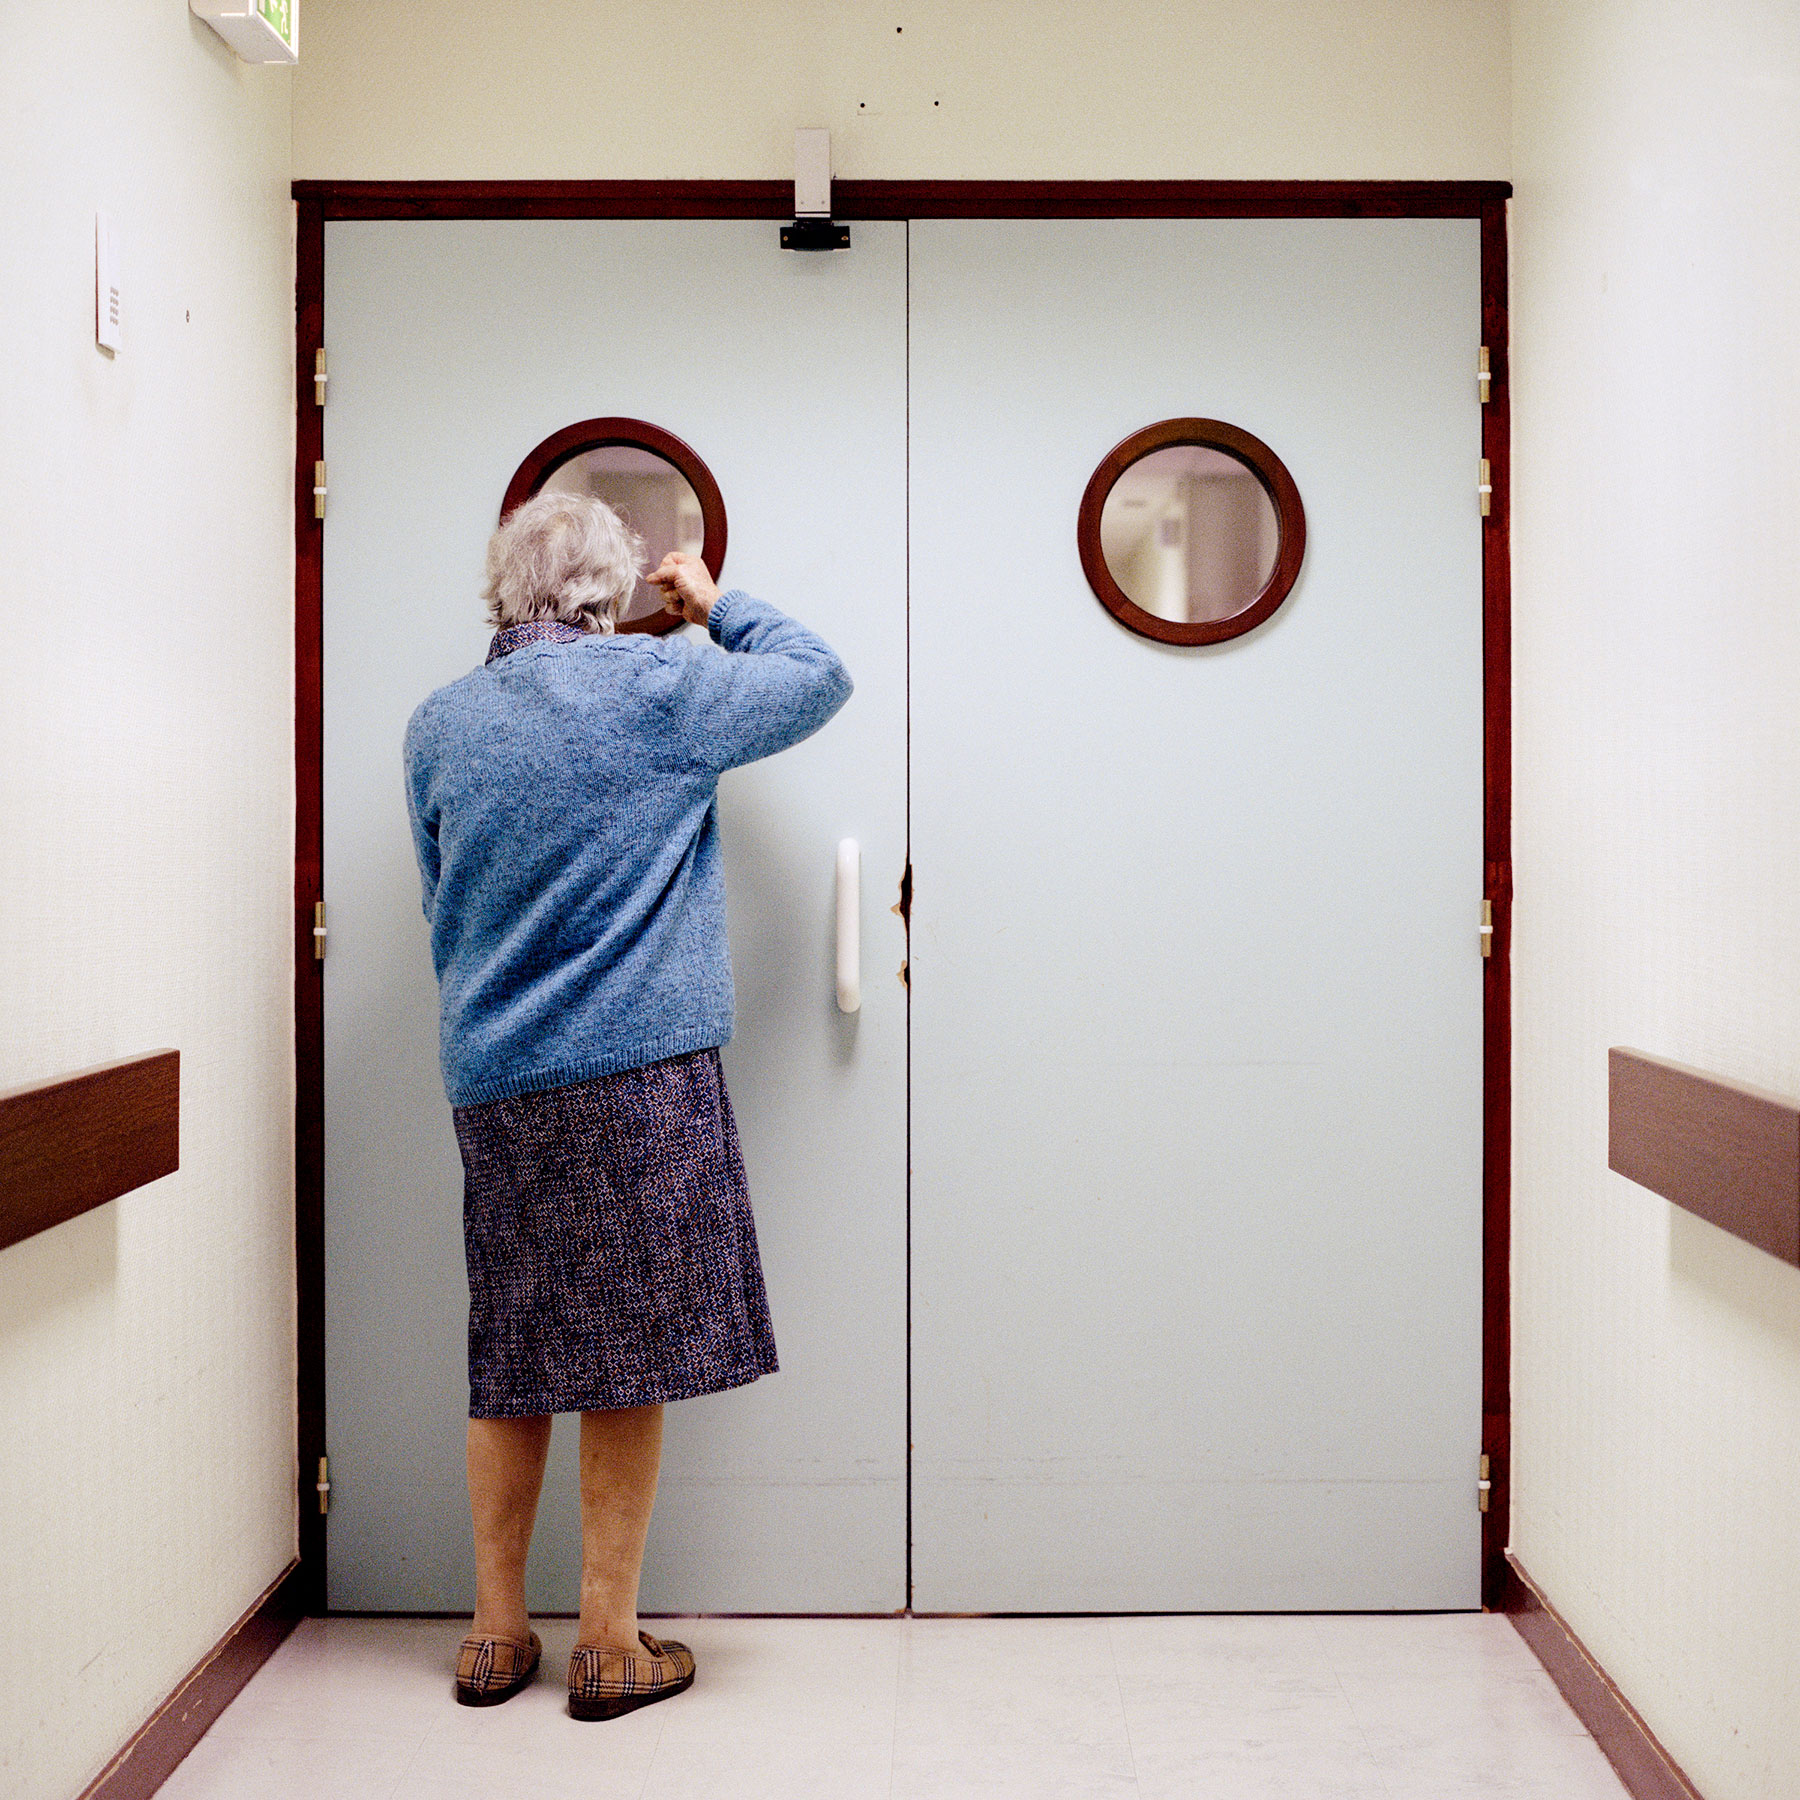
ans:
(106, 285)
(260, 31)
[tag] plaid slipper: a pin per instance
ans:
(492, 1669)
(605, 1683)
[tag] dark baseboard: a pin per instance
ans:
(159, 1744)
(1648, 1771)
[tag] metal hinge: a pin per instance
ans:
(1483, 375)
(1484, 487)
(320, 378)
(323, 1484)
(1487, 928)
(318, 931)
(1484, 1488)
(319, 491)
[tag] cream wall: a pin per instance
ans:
(146, 1379)
(147, 1491)
(146, 1350)
(943, 88)
(1656, 385)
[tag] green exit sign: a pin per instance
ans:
(279, 14)
(260, 31)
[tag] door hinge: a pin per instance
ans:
(1484, 377)
(323, 1484)
(1484, 487)
(1484, 1486)
(1487, 928)
(320, 378)
(318, 931)
(319, 491)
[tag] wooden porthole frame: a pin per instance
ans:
(1277, 483)
(596, 434)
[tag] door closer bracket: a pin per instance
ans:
(813, 227)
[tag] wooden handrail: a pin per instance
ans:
(75, 1142)
(1720, 1149)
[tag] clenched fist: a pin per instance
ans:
(686, 587)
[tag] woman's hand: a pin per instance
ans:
(686, 587)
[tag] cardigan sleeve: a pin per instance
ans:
(422, 816)
(776, 684)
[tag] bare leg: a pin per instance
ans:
(506, 1470)
(621, 1456)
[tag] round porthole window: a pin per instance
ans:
(1191, 532)
(656, 484)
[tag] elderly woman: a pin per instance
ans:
(564, 808)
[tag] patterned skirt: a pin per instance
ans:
(612, 1255)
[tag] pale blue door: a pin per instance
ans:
(456, 347)
(1195, 1058)
(1196, 1035)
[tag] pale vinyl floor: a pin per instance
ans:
(1444, 1707)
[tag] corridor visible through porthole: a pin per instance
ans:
(650, 494)
(1189, 534)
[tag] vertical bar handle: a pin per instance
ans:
(849, 926)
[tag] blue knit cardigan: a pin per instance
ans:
(564, 806)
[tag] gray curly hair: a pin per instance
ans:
(562, 556)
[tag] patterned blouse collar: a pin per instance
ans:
(533, 631)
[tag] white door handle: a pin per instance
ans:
(849, 925)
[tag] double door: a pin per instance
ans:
(1124, 1248)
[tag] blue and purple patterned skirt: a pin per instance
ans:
(612, 1255)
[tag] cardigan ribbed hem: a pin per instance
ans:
(588, 1068)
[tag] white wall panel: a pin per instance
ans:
(146, 814)
(1656, 378)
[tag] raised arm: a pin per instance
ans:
(776, 684)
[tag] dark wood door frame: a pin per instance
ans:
(318, 201)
